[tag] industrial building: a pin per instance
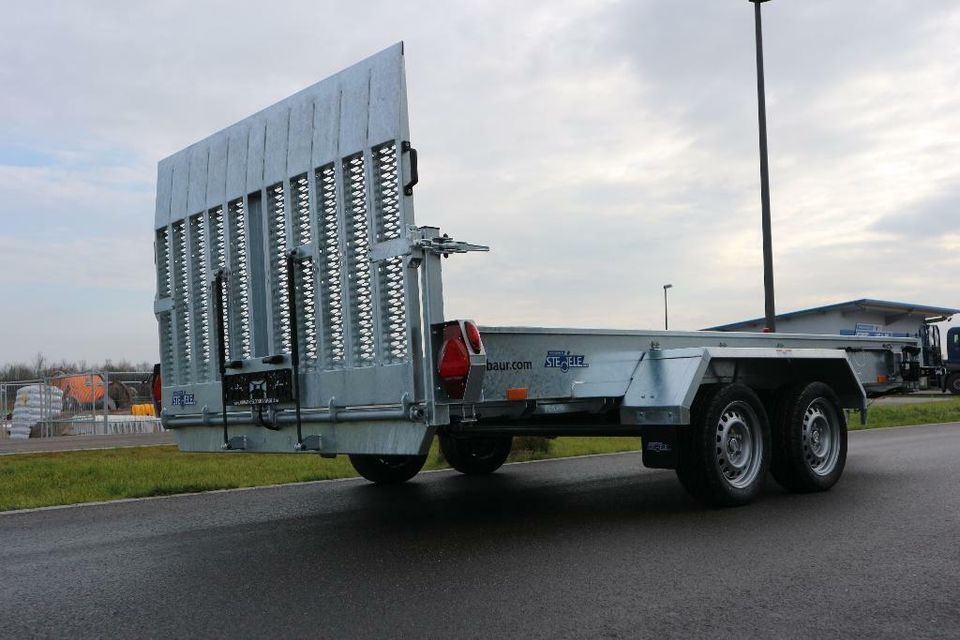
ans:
(865, 317)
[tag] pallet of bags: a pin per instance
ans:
(34, 403)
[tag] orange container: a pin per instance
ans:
(85, 389)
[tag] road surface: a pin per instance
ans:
(589, 547)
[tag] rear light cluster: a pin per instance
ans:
(460, 340)
(156, 389)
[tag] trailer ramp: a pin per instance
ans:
(323, 178)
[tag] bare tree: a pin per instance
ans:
(39, 365)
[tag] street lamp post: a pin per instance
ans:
(666, 323)
(769, 307)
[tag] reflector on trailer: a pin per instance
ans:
(517, 393)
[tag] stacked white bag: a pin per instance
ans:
(34, 403)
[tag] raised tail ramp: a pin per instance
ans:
(325, 177)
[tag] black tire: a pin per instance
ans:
(724, 454)
(809, 438)
(387, 469)
(476, 455)
(953, 383)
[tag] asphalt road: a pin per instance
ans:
(591, 547)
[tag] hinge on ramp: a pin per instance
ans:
(418, 242)
(445, 245)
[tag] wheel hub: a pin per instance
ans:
(734, 447)
(739, 447)
(821, 438)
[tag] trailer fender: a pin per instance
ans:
(665, 383)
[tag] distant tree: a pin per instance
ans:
(39, 365)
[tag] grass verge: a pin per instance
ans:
(69, 477)
(903, 415)
(47, 479)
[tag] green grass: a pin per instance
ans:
(901, 415)
(45, 479)
(69, 477)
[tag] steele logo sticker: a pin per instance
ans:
(659, 447)
(183, 399)
(564, 360)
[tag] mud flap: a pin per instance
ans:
(661, 447)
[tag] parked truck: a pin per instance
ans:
(947, 370)
(300, 310)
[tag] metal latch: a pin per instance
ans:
(445, 245)
(415, 244)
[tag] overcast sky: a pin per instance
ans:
(601, 148)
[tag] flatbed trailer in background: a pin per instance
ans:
(301, 310)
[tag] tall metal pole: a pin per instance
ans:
(769, 307)
(666, 323)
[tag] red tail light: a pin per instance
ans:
(156, 384)
(454, 361)
(473, 336)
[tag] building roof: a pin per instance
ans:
(865, 304)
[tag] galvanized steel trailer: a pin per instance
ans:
(300, 309)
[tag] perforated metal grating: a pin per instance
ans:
(300, 203)
(393, 304)
(316, 177)
(277, 239)
(199, 295)
(331, 268)
(306, 275)
(182, 302)
(359, 308)
(218, 263)
(360, 286)
(164, 289)
(239, 299)
(163, 263)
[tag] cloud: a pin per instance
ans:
(601, 148)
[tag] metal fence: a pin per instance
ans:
(93, 403)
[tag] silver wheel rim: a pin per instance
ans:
(739, 445)
(821, 437)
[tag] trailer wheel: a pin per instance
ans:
(953, 383)
(809, 439)
(387, 469)
(725, 451)
(476, 455)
